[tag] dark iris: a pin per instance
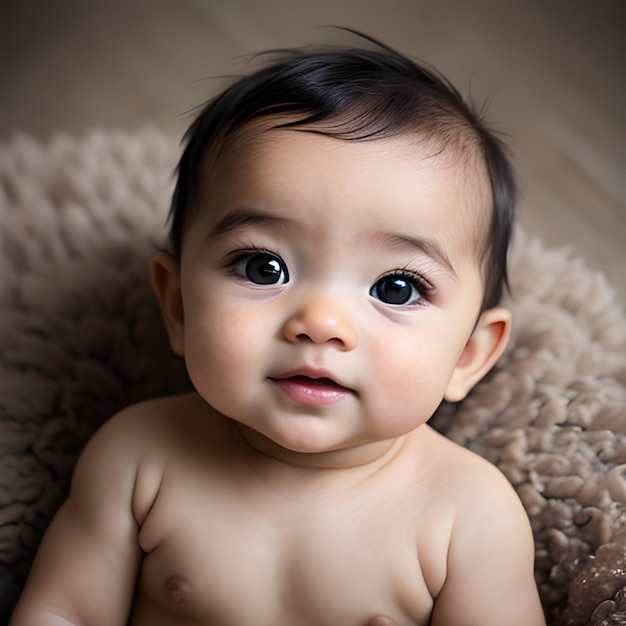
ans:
(266, 269)
(394, 290)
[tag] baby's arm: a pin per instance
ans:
(86, 568)
(490, 563)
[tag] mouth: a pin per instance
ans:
(311, 391)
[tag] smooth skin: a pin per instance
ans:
(326, 300)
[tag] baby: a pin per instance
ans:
(339, 237)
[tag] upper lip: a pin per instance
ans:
(313, 373)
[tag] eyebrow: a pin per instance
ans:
(242, 218)
(428, 246)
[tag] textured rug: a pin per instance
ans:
(80, 337)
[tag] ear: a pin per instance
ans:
(166, 283)
(484, 348)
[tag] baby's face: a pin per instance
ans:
(329, 287)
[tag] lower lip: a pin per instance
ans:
(311, 392)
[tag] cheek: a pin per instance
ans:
(229, 345)
(222, 329)
(412, 375)
(220, 344)
(407, 379)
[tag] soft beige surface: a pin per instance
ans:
(80, 337)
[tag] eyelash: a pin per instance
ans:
(238, 256)
(425, 286)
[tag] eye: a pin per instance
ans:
(261, 268)
(400, 288)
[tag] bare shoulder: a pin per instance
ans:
(133, 447)
(113, 456)
(150, 415)
(490, 563)
(484, 502)
(92, 543)
(147, 423)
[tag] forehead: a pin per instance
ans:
(407, 181)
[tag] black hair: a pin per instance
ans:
(355, 94)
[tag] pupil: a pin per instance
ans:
(394, 290)
(264, 270)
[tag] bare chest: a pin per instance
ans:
(217, 556)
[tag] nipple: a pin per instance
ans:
(178, 589)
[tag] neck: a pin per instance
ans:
(367, 455)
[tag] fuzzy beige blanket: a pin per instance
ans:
(80, 337)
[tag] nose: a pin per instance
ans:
(322, 320)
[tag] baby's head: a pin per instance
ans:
(340, 231)
(356, 95)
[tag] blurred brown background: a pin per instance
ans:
(553, 72)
